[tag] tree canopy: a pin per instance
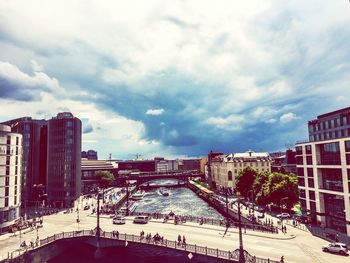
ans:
(245, 180)
(106, 178)
(268, 187)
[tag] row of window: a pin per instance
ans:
(329, 124)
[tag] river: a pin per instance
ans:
(182, 201)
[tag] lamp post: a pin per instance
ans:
(284, 198)
(241, 250)
(253, 201)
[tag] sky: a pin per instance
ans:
(176, 78)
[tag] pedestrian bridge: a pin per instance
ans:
(142, 177)
(47, 248)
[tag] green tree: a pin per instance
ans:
(106, 178)
(245, 180)
(260, 188)
(282, 186)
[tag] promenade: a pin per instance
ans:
(296, 246)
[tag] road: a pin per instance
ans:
(296, 246)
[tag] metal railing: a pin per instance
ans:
(210, 221)
(173, 244)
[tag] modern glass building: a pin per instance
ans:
(10, 177)
(63, 159)
(323, 167)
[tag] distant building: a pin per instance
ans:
(10, 177)
(225, 168)
(34, 133)
(89, 155)
(285, 164)
(209, 176)
(88, 169)
(189, 164)
(323, 169)
(64, 159)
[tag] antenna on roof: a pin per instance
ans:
(289, 146)
(110, 156)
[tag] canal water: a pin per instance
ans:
(182, 201)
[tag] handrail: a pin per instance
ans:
(193, 248)
(212, 221)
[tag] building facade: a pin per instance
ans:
(63, 159)
(89, 155)
(323, 169)
(225, 168)
(34, 133)
(10, 177)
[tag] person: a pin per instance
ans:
(117, 234)
(282, 259)
(184, 240)
(179, 239)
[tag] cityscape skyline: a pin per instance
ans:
(176, 79)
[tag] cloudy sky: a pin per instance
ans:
(176, 78)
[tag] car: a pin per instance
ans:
(261, 215)
(119, 220)
(339, 248)
(283, 216)
(141, 220)
(87, 207)
(259, 209)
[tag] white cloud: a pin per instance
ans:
(155, 111)
(230, 123)
(288, 117)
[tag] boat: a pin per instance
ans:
(138, 195)
(163, 192)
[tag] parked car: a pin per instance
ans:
(119, 220)
(87, 207)
(339, 248)
(283, 216)
(141, 219)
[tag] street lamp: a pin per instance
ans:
(241, 258)
(284, 198)
(253, 201)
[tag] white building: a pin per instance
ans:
(225, 168)
(10, 177)
(324, 178)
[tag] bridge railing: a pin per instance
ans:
(211, 221)
(193, 248)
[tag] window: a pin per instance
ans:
(309, 160)
(302, 193)
(299, 150)
(229, 175)
(8, 140)
(332, 123)
(312, 195)
(301, 181)
(310, 172)
(347, 146)
(308, 149)
(311, 183)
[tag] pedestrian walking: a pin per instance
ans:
(117, 234)
(282, 259)
(179, 239)
(184, 240)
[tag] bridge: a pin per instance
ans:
(142, 177)
(44, 252)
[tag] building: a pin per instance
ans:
(10, 177)
(323, 169)
(88, 168)
(89, 155)
(285, 164)
(225, 168)
(189, 164)
(63, 159)
(34, 133)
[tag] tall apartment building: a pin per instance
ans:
(34, 134)
(89, 155)
(63, 159)
(10, 177)
(225, 168)
(323, 169)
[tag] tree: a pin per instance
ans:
(245, 180)
(106, 178)
(260, 188)
(282, 186)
